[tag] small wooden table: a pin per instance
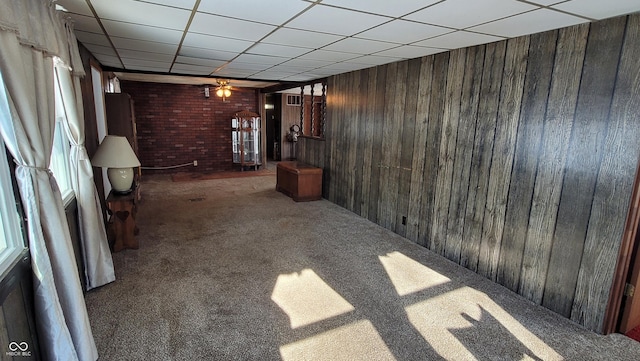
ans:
(122, 221)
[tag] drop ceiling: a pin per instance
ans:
(302, 40)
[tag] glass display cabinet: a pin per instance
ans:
(245, 135)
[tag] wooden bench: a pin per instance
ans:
(300, 181)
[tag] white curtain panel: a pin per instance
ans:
(31, 33)
(95, 246)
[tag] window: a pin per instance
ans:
(61, 149)
(293, 100)
(11, 240)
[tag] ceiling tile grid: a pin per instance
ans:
(303, 40)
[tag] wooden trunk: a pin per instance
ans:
(300, 181)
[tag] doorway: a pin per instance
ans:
(623, 310)
(273, 123)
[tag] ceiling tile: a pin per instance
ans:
(389, 8)
(375, 60)
(142, 32)
(215, 42)
(307, 39)
(133, 54)
(144, 45)
(460, 14)
(186, 60)
(343, 22)
(137, 64)
(599, 9)
(76, 6)
(191, 69)
(226, 27)
(260, 59)
(235, 73)
(277, 50)
(92, 38)
(291, 68)
(273, 75)
(182, 4)
(255, 67)
(403, 32)
(273, 12)
(299, 77)
(99, 49)
(528, 23)
(458, 39)
(108, 60)
(207, 53)
(359, 46)
(342, 67)
(547, 2)
(309, 63)
(86, 23)
(328, 55)
(410, 51)
(144, 13)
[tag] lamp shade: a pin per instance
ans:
(115, 152)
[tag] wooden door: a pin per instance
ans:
(630, 317)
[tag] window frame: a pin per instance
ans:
(13, 239)
(59, 163)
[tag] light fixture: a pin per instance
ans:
(116, 154)
(224, 89)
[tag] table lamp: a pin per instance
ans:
(116, 154)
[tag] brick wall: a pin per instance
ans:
(176, 124)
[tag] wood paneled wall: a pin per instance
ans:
(515, 159)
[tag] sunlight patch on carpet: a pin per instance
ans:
(306, 298)
(472, 315)
(356, 341)
(409, 276)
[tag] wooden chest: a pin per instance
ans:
(300, 181)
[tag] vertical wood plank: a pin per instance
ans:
(351, 136)
(482, 152)
(406, 144)
(613, 187)
(464, 151)
(335, 106)
(418, 175)
(534, 103)
(342, 186)
(378, 119)
(434, 136)
(511, 93)
(360, 139)
(447, 153)
(558, 121)
(390, 145)
(368, 142)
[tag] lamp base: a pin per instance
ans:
(121, 179)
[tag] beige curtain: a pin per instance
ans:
(95, 246)
(31, 34)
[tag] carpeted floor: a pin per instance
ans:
(229, 269)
